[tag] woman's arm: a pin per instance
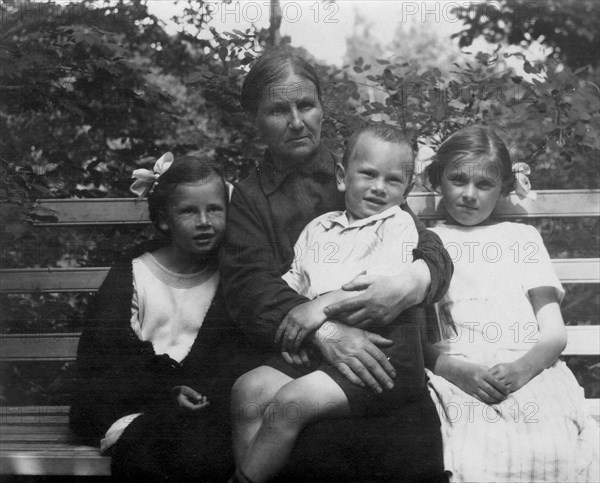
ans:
(256, 296)
(551, 343)
(385, 297)
(431, 250)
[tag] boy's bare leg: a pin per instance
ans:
(312, 397)
(250, 396)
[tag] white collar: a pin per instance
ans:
(342, 219)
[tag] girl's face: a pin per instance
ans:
(471, 188)
(195, 217)
(289, 119)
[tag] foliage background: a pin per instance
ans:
(91, 91)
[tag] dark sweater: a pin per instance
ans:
(118, 374)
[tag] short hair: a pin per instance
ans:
(187, 169)
(271, 68)
(473, 141)
(384, 132)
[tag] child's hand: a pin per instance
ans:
(298, 323)
(514, 375)
(297, 358)
(477, 381)
(189, 401)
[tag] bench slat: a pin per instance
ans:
(111, 211)
(38, 347)
(583, 340)
(70, 461)
(52, 279)
(24, 280)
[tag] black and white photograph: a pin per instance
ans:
(300, 241)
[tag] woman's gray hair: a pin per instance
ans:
(271, 68)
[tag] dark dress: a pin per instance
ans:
(118, 375)
(268, 211)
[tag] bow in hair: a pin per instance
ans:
(146, 179)
(522, 184)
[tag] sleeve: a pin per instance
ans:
(399, 238)
(256, 296)
(432, 251)
(536, 263)
(117, 374)
(296, 276)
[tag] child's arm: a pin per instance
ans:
(304, 319)
(552, 341)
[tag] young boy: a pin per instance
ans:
(373, 235)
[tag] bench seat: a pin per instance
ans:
(35, 440)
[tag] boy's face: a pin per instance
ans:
(377, 177)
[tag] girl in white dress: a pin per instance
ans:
(510, 410)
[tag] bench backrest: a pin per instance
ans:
(583, 340)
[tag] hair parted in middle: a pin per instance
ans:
(472, 142)
(187, 169)
(271, 68)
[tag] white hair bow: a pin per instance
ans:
(146, 179)
(522, 184)
(424, 158)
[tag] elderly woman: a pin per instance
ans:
(294, 184)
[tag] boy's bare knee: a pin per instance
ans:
(250, 386)
(289, 407)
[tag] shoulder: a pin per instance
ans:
(515, 231)
(321, 223)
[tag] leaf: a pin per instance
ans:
(223, 52)
(360, 61)
(529, 69)
(382, 61)
(388, 79)
(194, 77)
(357, 69)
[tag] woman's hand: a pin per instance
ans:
(474, 379)
(384, 297)
(514, 375)
(356, 354)
(188, 401)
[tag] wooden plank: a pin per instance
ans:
(549, 203)
(52, 279)
(111, 211)
(107, 211)
(577, 270)
(25, 280)
(38, 347)
(583, 340)
(41, 462)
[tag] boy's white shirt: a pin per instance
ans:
(331, 251)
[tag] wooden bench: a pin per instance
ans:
(35, 440)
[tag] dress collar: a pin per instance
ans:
(342, 219)
(321, 168)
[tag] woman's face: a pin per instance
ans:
(289, 118)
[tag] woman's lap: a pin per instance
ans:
(403, 445)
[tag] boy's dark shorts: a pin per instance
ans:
(406, 356)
